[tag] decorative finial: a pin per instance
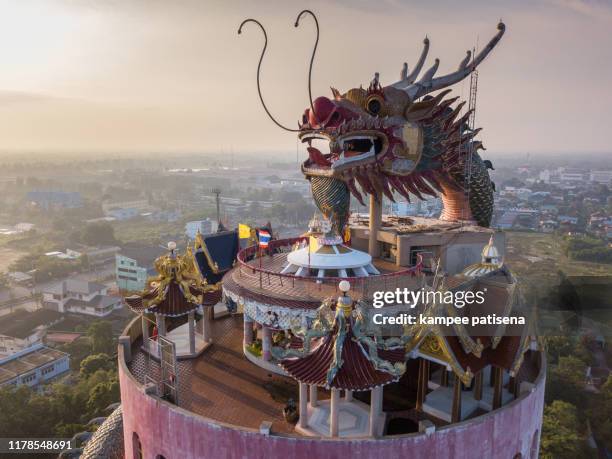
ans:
(344, 286)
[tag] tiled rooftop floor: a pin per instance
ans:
(223, 385)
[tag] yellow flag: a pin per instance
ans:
(244, 231)
(313, 244)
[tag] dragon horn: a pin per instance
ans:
(428, 84)
(407, 79)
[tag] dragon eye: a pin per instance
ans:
(374, 106)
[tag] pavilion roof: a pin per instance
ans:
(346, 359)
(177, 290)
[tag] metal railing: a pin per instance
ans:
(251, 267)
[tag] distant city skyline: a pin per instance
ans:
(140, 76)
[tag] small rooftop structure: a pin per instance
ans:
(338, 354)
(491, 261)
(177, 291)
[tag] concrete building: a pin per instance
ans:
(129, 275)
(55, 199)
(604, 177)
(82, 297)
(123, 213)
(22, 329)
(400, 242)
(33, 366)
(95, 255)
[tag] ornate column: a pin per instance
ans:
(348, 395)
(334, 412)
(478, 386)
(376, 399)
(456, 409)
(161, 324)
(498, 381)
(145, 332)
(266, 343)
(444, 377)
(303, 421)
(422, 381)
(248, 330)
(513, 386)
(313, 395)
(191, 328)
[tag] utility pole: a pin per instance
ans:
(217, 193)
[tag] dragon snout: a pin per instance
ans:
(324, 110)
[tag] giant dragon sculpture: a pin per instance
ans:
(396, 138)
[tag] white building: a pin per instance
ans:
(22, 329)
(129, 275)
(82, 297)
(33, 366)
(601, 176)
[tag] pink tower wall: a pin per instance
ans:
(178, 434)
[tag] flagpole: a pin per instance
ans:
(259, 250)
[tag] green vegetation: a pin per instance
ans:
(100, 335)
(94, 234)
(569, 406)
(64, 408)
(47, 268)
(586, 248)
(560, 432)
(600, 414)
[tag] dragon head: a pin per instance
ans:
(395, 138)
(369, 133)
(392, 138)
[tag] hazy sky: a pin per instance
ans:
(173, 75)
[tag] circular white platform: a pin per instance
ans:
(335, 260)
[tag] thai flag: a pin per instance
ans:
(264, 238)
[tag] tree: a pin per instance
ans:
(100, 334)
(560, 432)
(558, 346)
(93, 363)
(102, 395)
(99, 233)
(566, 381)
(4, 280)
(600, 414)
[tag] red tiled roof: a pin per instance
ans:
(502, 356)
(173, 304)
(356, 373)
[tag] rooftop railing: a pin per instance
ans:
(264, 265)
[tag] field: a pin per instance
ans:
(538, 257)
